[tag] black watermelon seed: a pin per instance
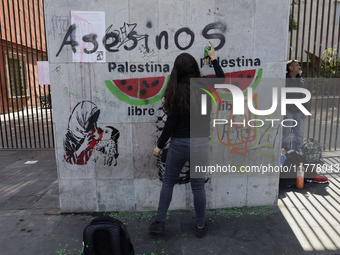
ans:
(143, 92)
(155, 83)
(146, 84)
(129, 87)
(236, 83)
(248, 76)
(123, 82)
(241, 76)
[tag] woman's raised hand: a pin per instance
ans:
(211, 53)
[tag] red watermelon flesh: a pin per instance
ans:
(142, 88)
(241, 79)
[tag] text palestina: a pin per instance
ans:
(151, 67)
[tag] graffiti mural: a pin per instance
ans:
(139, 91)
(59, 26)
(241, 134)
(83, 137)
(236, 136)
(267, 137)
(148, 67)
(245, 133)
(126, 34)
(128, 37)
(146, 53)
(108, 146)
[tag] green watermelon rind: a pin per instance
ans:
(139, 102)
(254, 86)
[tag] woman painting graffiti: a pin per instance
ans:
(185, 144)
(82, 133)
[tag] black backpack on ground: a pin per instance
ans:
(291, 166)
(106, 236)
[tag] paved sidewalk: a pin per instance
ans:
(305, 221)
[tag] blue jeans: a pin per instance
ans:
(178, 154)
(298, 131)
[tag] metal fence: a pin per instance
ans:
(314, 36)
(25, 106)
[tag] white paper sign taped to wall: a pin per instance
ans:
(43, 72)
(90, 28)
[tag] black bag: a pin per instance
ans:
(291, 166)
(106, 236)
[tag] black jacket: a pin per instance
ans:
(178, 125)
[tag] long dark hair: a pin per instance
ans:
(178, 88)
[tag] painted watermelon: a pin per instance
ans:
(138, 91)
(241, 79)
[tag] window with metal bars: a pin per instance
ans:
(16, 76)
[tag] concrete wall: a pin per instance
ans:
(243, 30)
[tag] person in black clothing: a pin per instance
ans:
(177, 126)
(293, 79)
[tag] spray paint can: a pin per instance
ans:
(300, 176)
(207, 60)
